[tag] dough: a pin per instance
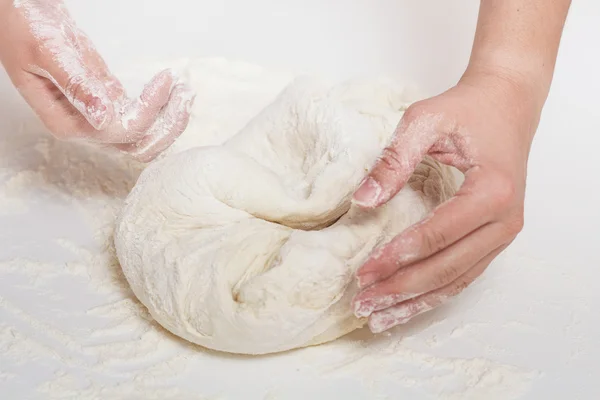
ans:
(251, 246)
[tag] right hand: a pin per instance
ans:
(57, 70)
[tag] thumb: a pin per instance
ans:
(78, 83)
(415, 134)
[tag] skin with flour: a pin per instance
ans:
(59, 73)
(484, 126)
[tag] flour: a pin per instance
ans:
(72, 328)
(472, 378)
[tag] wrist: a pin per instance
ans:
(518, 85)
(528, 71)
(512, 94)
(517, 41)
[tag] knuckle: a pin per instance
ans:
(432, 241)
(504, 190)
(390, 159)
(515, 225)
(460, 284)
(415, 111)
(446, 276)
(73, 87)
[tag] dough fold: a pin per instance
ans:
(251, 246)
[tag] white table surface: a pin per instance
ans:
(528, 329)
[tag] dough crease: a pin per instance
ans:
(251, 246)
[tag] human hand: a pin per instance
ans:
(58, 71)
(484, 126)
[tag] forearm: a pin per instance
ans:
(520, 39)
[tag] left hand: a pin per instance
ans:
(484, 126)
(58, 71)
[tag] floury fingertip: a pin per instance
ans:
(97, 113)
(366, 279)
(368, 194)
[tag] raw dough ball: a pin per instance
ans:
(251, 246)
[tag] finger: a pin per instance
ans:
(51, 106)
(80, 86)
(473, 206)
(167, 128)
(402, 313)
(433, 273)
(65, 121)
(416, 133)
(60, 60)
(115, 89)
(140, 115)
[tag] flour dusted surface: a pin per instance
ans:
(251, 246)
(71, 327)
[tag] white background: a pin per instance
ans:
(428, 42)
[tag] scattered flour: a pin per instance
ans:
(72, 329)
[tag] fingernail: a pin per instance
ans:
(402, 313)
(368, 193)
(97, 113)
(363, 308)
(366, 307)
(367, 279)
(384, 320)
(188, 94)
(168, 74)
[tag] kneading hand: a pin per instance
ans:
(481, 128)
(484, 126)
(57, 70)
